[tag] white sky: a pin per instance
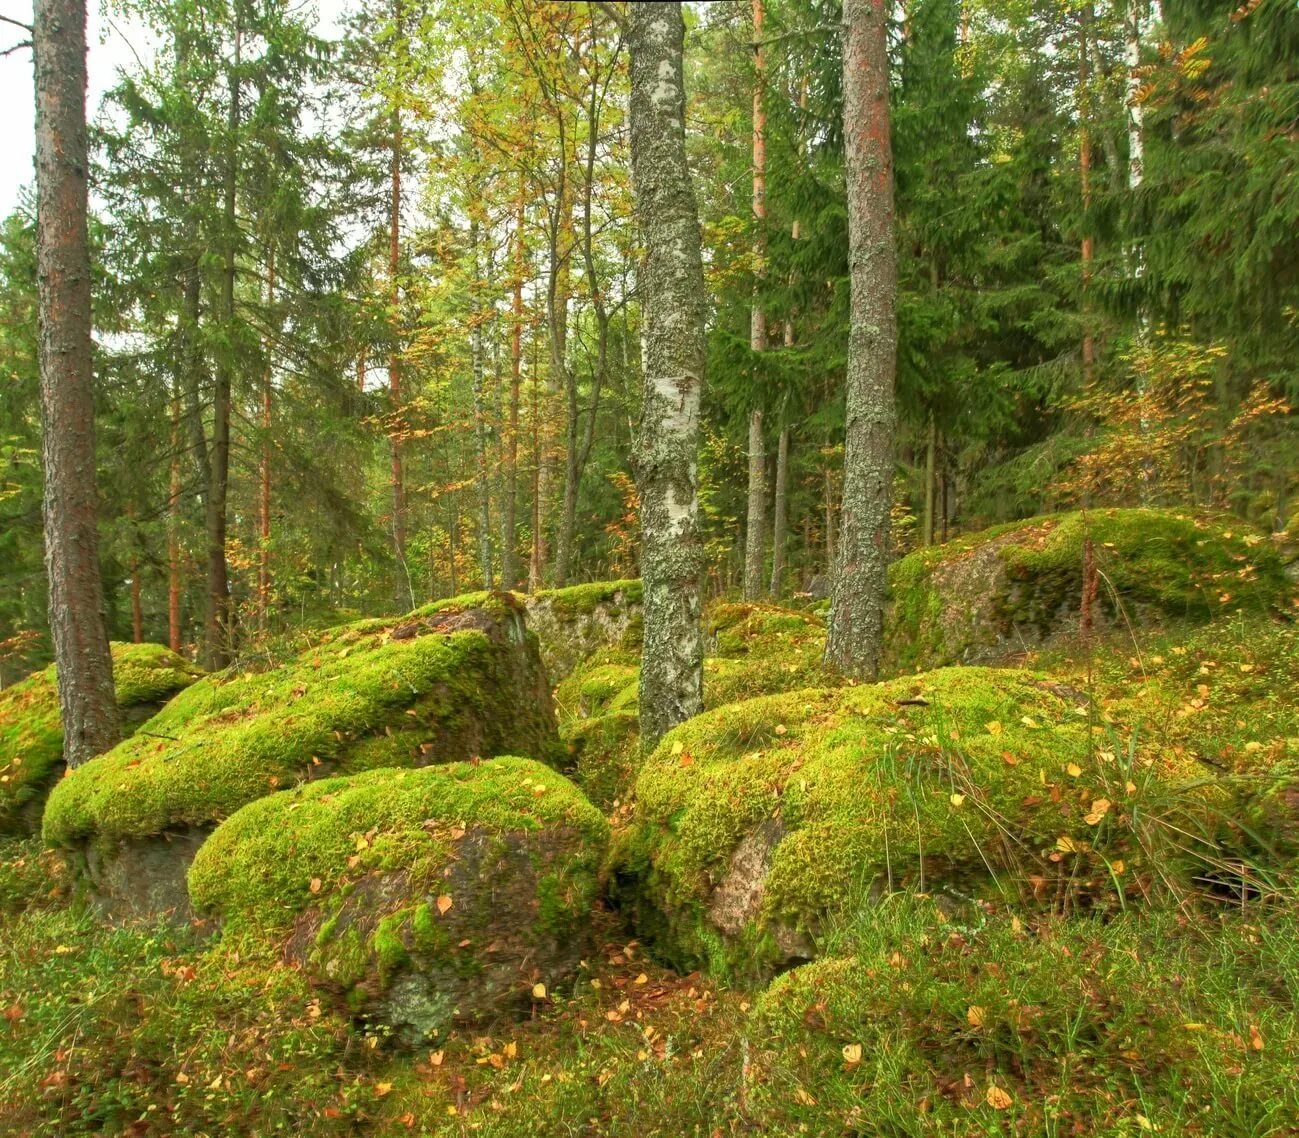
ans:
(111, 37)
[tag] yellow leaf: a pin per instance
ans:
(538, 991)
(1255, 1037)
(803, 1098)
(1029, 722)
(315, 885)
(678, 747)
(1100, 807)
(511, 1049)
(1073, 770)
(993, 728)
(998, 1099)
(444, 903)
(956, 799)
(382, 1089)
(852, 1054)
(975, 1015)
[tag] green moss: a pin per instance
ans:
(1019, 585)
(582, 600)
(400, 692)
(31, 736)
(400, 886)
(989, 779)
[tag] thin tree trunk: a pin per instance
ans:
(931, 451)
(510, 507)
(404, 587)
(484, 489)
(673, 305)
(137, 604)
(856, 627)
(264, 473)
(87, 704)
(537, 557)
(781, 521)
(829, 522)
(754, 536)
(173, 532)
(217, 636)
(1084, 175)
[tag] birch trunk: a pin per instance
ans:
(754, 535)
(484, 489)
(673, 305)
(861, 568)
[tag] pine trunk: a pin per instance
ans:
(861, 568)
(754, 535)
(217, 631)
(481, 431)
(510, 505)
(403, 586)
(87, 704)
(1084, 177)
(173, 533)
(931, 453)
(264, 471)
(673, 304)
(780, 522)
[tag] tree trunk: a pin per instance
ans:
(537, 556)
(217, 632)
(830, 544)
(754, 537)
(931, 452)
(264, 472)
(87, 704)
(173, 532)
(481, 431)
(137, 604)
(856, 623)
(510, 506)
(781, 521)
(673, 304)
(1084, 176)
(403, 586)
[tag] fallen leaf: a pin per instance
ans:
(538, 991)
(997, 1098)
(852, 1054)
(315, 885)
(444, 903)
(975, 1015)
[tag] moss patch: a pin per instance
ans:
(425, 688)
(31, 736)
(423, 896)
(576, 622)
(757, 822)
(1015, 587)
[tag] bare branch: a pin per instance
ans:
(15, 47)
(17, 24)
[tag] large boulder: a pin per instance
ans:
(1018, 587)
(756, 825)
(575, 622)
(421, 898)
(31, 735)
(436, 686)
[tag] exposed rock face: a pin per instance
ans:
(31, 737)
(421, 898)
(143, 878)
(576, 622)
(435, 686)
(1015, 588)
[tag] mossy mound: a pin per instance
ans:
(755, 824)
(753, 649)
(31, 736)
(420, 690)
(1017, 587)
(424, 898)
(576, 622)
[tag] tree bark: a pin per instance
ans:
(510, 505)
(673, 304)
(754, 536)
(861, 570)
(173, 532)
(217, 632)
(264, 471)
(931, 454)
(481, 430)
(1084, 177)
(403, 586)
(780, 522)
(87, 703)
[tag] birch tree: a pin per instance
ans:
(673, 348)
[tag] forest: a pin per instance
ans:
(612, 568)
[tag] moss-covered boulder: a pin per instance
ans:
(437, 686)
(31, 736)
(578, 621)
(755, 824)
(1017, 587)
(423, 898)
(752, 650)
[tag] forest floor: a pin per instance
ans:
(923, 1015)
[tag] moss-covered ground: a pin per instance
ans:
(31, 739)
